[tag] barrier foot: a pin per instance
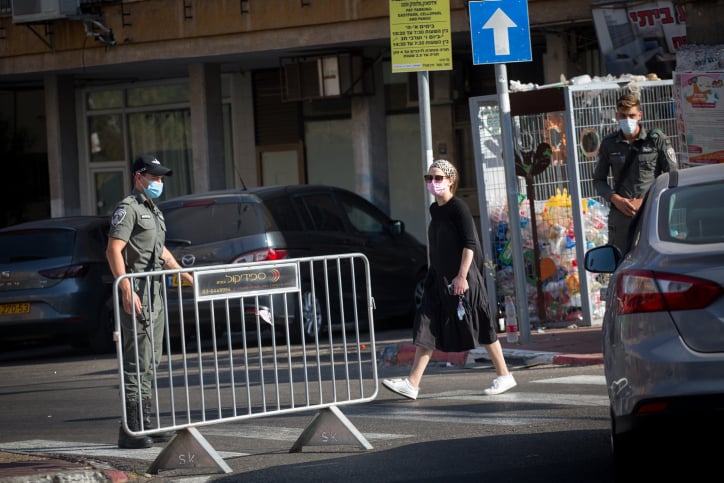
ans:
(189, 450)
(330, 428)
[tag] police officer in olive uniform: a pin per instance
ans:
(136, 244)
(634, 157)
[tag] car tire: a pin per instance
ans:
(419, 291)
(100, 337)
(311, 307)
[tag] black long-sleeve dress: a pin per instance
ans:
(437, 325)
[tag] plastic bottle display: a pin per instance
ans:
(560, 282)
(511, 320)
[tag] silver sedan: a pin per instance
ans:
(663, 330)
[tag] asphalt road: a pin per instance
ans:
(553, 427)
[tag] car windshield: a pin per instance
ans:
(211, 222)
(35, 244)
(692, 214)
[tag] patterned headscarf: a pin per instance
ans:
(447, 168)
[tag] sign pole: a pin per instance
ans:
(423, 96)
(500, 33)
(511, 186)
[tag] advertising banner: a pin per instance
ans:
(702, 115)
(639, 38)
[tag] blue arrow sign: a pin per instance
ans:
(500, 31)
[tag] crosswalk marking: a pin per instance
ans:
(519, 396)
(276, 433)
(453, 417)
(582, 379)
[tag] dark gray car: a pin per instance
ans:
(55, 283)
(295, 221)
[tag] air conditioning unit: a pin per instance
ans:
(325, 75)
(38, 11)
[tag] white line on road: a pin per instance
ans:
(279, 433)
(458, 417)
(594, 380)
(525, 397)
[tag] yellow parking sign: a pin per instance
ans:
(420, 35)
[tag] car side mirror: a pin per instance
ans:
(397, 227)
(603, 259)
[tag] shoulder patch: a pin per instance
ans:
(671, 153)
(118, 216)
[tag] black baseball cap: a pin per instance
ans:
(147, 163)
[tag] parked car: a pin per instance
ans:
(663, 328)
(55, 283)
(296, 221)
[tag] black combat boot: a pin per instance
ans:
(160, 437)
(127, 441)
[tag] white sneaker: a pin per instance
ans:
(500, 385)
(401, 387)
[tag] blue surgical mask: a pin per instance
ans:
(628, 126)
(154, 189)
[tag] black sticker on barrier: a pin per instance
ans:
(246, 281)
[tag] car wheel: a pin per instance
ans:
(419, 290)
(311, 315)
(100, 338)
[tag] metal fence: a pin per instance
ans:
(558, 288)
(257, 340)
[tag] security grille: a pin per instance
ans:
(558, 287)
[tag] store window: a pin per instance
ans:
(106, 138)
(123, 123)
(167, 135)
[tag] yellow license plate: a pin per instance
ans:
(13, 309)
(174, 281)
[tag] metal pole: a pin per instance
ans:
(423, 98)
(511, 185)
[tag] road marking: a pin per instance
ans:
(280, 433)
(452, 417)
(595, 380)
(525, 397)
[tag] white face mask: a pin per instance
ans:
(628, 126)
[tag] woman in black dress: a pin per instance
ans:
(454, 314)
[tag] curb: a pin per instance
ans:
(577, 359)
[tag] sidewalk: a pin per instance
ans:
(561, 346)
(32, 468)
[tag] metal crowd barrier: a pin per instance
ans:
(257, 340)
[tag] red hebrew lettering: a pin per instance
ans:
(681, 13)
(678, 41)
(666, 16)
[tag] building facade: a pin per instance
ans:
(229, 94)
